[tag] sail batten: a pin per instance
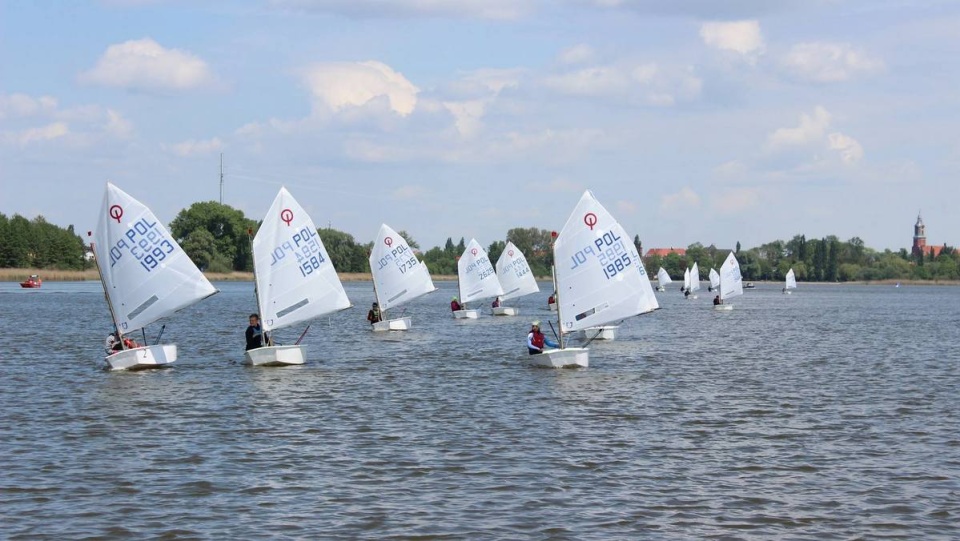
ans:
(295, 278)
(398, 275)
(599, 273)
(146, 273)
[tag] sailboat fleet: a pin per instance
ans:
(598, 277)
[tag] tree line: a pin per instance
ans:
(216, 237)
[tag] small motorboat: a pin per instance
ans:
(34, 282)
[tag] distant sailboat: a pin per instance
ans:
(515, 277)
(694, 281)
(476, 279)
(731, 283)
(686, 280)
(398, 277)
(146, 276)
(791, 282)
(714, 280)
(295, 280)
(663, 279)
(599, 279)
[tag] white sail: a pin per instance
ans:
(663, 277)
(146, 274)
(599, 273)
(791, 280)
(397, 273)
(686, 279)
(714, 279)
(295, 279)
(694, 278)
(478, 280)
(514, 274)
(731, 283)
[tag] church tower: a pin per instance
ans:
(919, 237)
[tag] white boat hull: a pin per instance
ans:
(398, 324)
(607, 332)
(561, 358)
(552, 307)
(506, 311)
(473, 313)
(788, 292)
(142, 357)
(723, 307)
(275, 356)
(691, 297)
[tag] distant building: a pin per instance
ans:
(664, 252)
(920, 241)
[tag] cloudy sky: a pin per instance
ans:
(691, 120)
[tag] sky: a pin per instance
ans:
(690, 120)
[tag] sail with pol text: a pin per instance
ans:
(146, 274)
(599, 274)
(477, 277)
(295, 279)
(514, 274)
(398, 275)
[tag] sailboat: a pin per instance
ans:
(146, 276)
(791, 282)
(599, 279)
(515, 277)
(663, 279)
(295, 280)
(476, 279)
(398, 277)
(714, 279)
(694, 281)
(731, 283)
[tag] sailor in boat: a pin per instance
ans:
(535, 339)
(455, 305)
(717, 301)
(496, 303)
(256, 338)
(112, 344)
(784, 290)
(686, 292)
(552, 299)
(374, 316)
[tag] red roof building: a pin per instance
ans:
(664, 252)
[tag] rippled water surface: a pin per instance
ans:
(833, 413)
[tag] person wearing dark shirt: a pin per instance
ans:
(717, 301)
(455, 305)
(256, 338)
(373, 316)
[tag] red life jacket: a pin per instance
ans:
(454, 305)
(537, 339)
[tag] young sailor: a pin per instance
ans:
(112, 344)
(455, 305)
(535, 339)
(373, 316)
(256, 338)
(496, 303)
(717, 301)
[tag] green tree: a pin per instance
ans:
(201, 248)
(227, 225)
(345, 254)
(495, 249)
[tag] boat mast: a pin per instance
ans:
(256, 289)
(556, 290)
(106, 294)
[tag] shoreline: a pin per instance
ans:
(19, 275)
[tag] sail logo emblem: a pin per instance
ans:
(388, 241)
(590, 219)
(510, 253)
(116, 212)
(287, 216)
(473, 251)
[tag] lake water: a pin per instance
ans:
(832, 413)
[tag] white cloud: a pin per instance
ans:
(737, 200)
(684, 199)
(196, 147)
(578, 54)
(55, 130)
(821, 62)
(117, 126)
(145, 65)
(849, 148)
(648, 83)
(467, 115)
(22, 105)
(460, 9)
(811, 129)
(340, 85)
(741, 37)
